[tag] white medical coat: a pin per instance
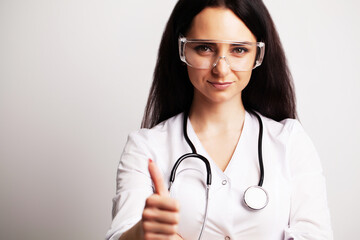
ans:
(297, 207)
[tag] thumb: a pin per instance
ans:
(157, 179)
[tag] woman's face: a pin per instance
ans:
(220, 83)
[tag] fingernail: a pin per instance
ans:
(150, 160)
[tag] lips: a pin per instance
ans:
(220, 85)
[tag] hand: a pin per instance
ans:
(160, 217)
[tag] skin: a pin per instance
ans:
(160, 217)
(217, 116)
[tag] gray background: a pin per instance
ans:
(74, 78)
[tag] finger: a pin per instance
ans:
(157, 236)
(161, 228)
(162, 202)
(157, 179)
(161, 216)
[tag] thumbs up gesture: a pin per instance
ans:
(160, 217)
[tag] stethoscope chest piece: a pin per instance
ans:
(256, 198)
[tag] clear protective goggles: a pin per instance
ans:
(206, 54)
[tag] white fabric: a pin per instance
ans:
(297, 207)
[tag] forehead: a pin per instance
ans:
(219, 24)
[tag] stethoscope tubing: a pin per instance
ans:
(194, 154)
(261, 164)
(188, 155)
(193, 149)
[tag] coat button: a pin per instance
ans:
(224, 182)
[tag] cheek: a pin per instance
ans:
(244, 78)
(196, 76)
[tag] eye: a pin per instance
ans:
(239, 50)
(202, 49)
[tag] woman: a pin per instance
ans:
(211, 83)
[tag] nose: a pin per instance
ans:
(221, 66)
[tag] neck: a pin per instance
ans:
(217, 117)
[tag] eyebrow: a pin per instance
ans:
(240, 43)
(205, 42)
(215, 42)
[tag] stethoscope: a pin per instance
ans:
(255, 197)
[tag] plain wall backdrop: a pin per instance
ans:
(74, 79)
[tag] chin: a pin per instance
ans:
(223, 97)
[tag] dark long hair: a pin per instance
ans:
(270, 90)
